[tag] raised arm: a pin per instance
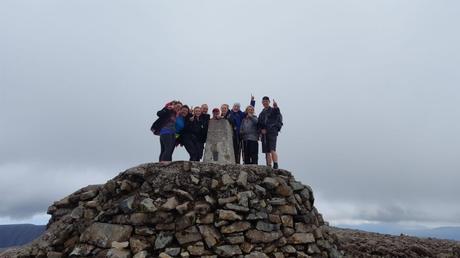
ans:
(165, 111)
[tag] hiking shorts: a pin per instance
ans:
(269, 142)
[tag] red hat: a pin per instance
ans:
(215, 110)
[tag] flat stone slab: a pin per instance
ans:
(219, 143)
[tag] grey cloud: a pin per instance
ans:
(28, 190)
(369, 94)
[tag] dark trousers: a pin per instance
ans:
(168, 143)
(193, 147)
(237, 149)
(251, 152)
(202, 150)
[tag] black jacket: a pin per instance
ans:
(195, 128)
(271, 120)
(163, 116)
(205, 118)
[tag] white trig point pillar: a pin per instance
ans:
(219, 144)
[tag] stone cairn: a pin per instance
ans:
(187, 209)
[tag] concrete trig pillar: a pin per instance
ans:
(219, 144)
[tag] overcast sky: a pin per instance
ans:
(369, 91)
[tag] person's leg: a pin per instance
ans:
(162, 147)
(196, 150)
(273, 154)
(268, 159)
(266, 150)
(189, 146)
(236, 149)
(169, 149)
(254, 154)
(246, 153)
(201, 150)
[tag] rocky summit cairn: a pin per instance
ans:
(187, 209)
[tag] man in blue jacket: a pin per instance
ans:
(269, 124)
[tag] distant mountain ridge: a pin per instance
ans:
(451, 233)
(19, 234)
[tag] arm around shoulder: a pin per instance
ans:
(163, 112)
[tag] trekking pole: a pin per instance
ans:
(265, 140)
(242, 150)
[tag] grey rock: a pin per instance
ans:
(127, 205)
(228, 250)
(143, 254)
(301, 238)
(210, 235)
(260, 190)
(267, 227)
(296, 186)
(163, 239)
(257, 216)
(235, 207)
(170, 204)
(227, 180)
(271, 182)
(256, 255)
(257, 236)
(88, 195)
(229, 215)
(238, 226)
(183, 194)
(173, 251)
(81, 250)
(147, 205)
(223, 201)
(103, 234)
(188, 235)
(242, 178)
(277, 201)
(118, 253)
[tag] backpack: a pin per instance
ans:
(279, 121)
(156, 126)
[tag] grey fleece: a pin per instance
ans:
(248, 129)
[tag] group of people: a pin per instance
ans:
(179, 124)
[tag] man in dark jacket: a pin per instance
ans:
(269, 124)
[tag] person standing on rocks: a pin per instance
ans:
(205, 117)
(269, 124)
(180, 120)
(235, 118)
(165, 127)
(194, 135)
(250, 136)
